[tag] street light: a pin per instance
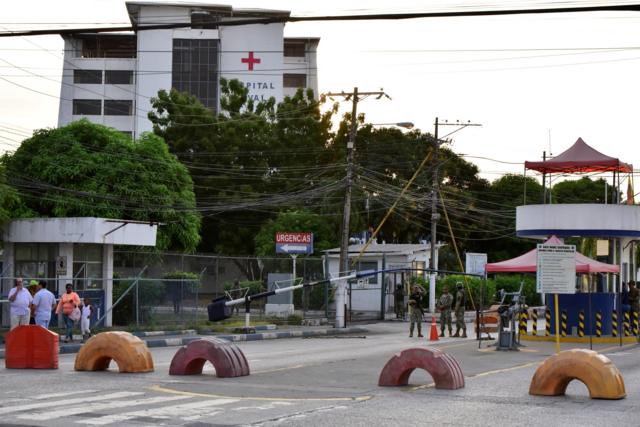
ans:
(406, 125)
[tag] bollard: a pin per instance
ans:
(614, 323)
(599, 324)
(626, 324)
(581, 323)
(523, 323)
(547, 322)
(564, 323)
(635, 323)
(534, 318)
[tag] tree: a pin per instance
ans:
(11, 205)
(583, 190)
(248, 161)
(85, 169)
(324, 234)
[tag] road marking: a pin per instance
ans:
(266, 371)
(161, 389)
(63, 394)
(75, 410)
(161, 413)
(28, 406)
(497, 371)
(481, 374)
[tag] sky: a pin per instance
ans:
(534, 83)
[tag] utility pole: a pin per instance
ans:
(435, 216)
(343, 266)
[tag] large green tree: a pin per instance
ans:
(249, 160)
(85, 169)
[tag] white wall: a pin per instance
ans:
(580, 219)
(265, 41)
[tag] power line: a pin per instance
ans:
(353, 17)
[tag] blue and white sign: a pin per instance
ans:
(294, 243)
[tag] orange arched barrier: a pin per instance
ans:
(596, 371)
(31, 346)
(129, 352)
(442, 367)
(226, 358)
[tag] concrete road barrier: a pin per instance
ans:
(31, 347)
(129, 352)
(227, 358)
(443, 368)
(596, 371)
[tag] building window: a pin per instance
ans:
(294, 49)
(294, 80)
(369, 265)
(114, 107)
(87, 107)
(35, 260)
(195, 69)
(118, 77)
(87, 76)
(109, 46)
(87, 266)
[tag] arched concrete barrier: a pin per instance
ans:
(31, 347)
(596, 371)
(129, 352)
(226, 358)
(442, 367)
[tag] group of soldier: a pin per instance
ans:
(444, 304)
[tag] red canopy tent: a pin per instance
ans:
(527, 263)
(580, 157)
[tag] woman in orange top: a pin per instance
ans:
(69, 301)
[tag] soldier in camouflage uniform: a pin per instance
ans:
(444, 305)
(459, 309)
(415, 305)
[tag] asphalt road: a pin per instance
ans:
(318, 381)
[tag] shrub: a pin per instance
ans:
(150, 294)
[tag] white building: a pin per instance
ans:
(109, 78)
(69, 250)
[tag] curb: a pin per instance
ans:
(177, 342)
(164, 333)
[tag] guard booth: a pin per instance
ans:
(373, 296)
(69, 250)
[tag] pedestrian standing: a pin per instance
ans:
(444, 305)
(68, 303)
(459, 309)
(20, 303)
(32, 288)
(85, 320)
(44, 302)
(415, 303)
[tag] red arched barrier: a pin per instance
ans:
(31, 346)
(443, 368)
(226, 358)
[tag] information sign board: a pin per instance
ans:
(556, 269)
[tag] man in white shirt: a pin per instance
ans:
(43, 303)
(20, 300)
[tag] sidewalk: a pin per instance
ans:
(180, 338)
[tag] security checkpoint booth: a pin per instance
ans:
(597, 299)
(70, 250)
(375, 294)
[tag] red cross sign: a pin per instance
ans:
(250, 61)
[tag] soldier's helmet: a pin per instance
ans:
(459, 285)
